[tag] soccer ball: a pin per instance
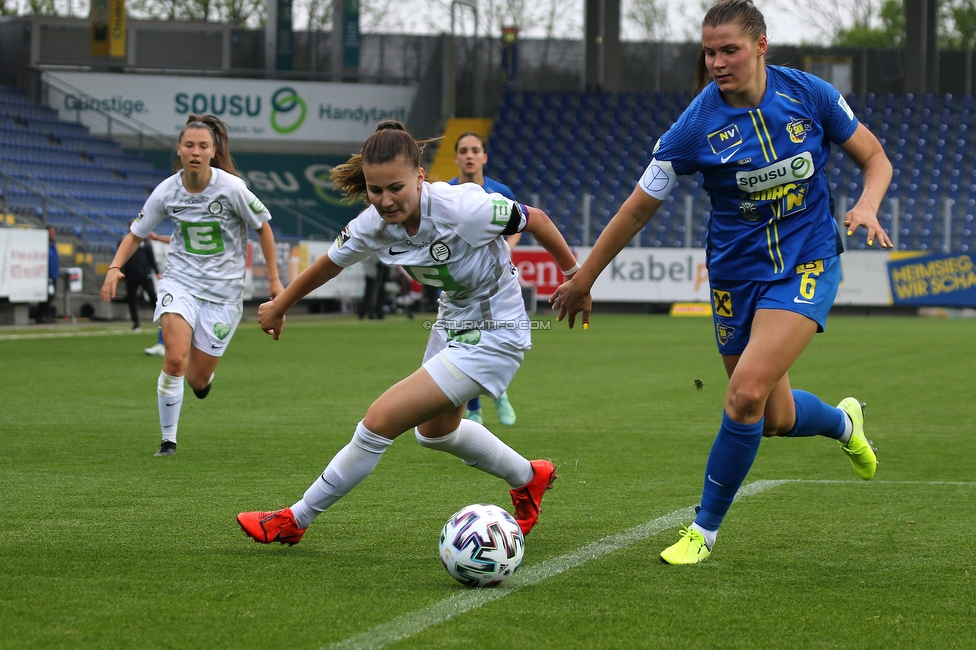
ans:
(481, 545)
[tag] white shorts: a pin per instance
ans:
(213, 323)
(489, 357)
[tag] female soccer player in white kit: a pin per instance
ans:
(200, 299)
(449, 237)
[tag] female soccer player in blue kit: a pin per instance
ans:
(760, 135)
(470, 156)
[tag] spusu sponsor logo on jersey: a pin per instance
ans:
(797, 168)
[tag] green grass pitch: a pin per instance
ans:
(103, 545)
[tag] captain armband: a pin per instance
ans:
(659, 179)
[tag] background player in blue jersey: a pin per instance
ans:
(760, 135)
(471, 157)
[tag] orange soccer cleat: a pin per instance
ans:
(267, 527)
(528, 498)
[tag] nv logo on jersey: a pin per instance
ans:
(798, 129)
(724, 139)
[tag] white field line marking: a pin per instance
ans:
(882, 482)
(407, 625)
(63, 335)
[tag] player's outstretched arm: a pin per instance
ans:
(271, 315)
(868, 154)
(267, 242)
(573, 296)
(130, 243)
(547, 234)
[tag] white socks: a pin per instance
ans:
(848, 430)
(479, 447)
(471, 442)
(169, 392)
(709, 535)
(346, 470)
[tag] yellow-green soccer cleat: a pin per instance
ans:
(859, 449)
(690, 549)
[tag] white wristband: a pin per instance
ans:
(569, 272)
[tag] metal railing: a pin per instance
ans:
(47, 195)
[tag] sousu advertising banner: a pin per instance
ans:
(252, 108)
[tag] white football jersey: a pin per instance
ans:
(208, 249)
(458, 249)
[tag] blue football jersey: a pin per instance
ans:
(765, 171)
(491, 185)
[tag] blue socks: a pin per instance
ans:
(728, 464)
(735, 450)
(815, 418)
(474, 404)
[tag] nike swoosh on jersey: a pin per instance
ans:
(726, 159)
(801, 301)
(393, 252)
(179, 210)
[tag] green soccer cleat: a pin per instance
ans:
(506, 414)
(474, 416)
(859, 449)
(690, 549)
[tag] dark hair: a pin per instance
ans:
(218, 133)
(466, 134)
(390, 141)
(723, 13)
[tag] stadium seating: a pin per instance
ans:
(554, 147)
(61, 175)
(550, 147)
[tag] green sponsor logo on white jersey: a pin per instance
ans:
(202, 237)
(501, 212)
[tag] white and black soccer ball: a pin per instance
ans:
(481, 545)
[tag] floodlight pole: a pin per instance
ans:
(478, 100)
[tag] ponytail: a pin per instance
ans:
(390, 141)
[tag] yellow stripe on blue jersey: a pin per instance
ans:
(768, 137)
(762, 142)
(770, 195)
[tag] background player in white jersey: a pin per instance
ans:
(761, 136)
(471, 158)
(449, 237)
(200, 298)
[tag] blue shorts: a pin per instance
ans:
(810, 291)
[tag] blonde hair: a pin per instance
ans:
(218, 133)
(723, 13)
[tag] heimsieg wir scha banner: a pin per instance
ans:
(941, 280)
(252, 108)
